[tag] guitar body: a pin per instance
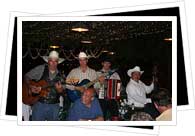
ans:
(44, 87)
(74, 94)
(29, 97)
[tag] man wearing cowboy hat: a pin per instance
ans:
(46, 108)
(108, 105)
(83, 71)
(137, 90)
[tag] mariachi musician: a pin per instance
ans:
(83, 75)
(136, 93)
(109, 91)
(45, 103)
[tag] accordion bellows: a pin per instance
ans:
(113, 89)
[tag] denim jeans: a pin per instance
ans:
(43, 112)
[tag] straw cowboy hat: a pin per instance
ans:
(83, 55)
(135, 69)
(53, 54)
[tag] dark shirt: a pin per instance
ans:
(80, 111)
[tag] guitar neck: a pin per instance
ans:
(49, 86)
(96, 80)
(91, 83)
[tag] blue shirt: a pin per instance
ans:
(80, 111)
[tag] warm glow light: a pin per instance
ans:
(86, 41)
(168, 39)
(105, 51)
(111, 53)
(79, 29)
(54, 46)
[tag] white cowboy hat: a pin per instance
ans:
(83, 55)
(135, 69)
(53, 54)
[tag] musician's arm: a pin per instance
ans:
(71, 74)
(115, 76)
(97, 85)
(35, 73)
(149, 88)
(72, 87)
(99, 76)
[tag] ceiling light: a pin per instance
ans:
(168, 39)
(80, 29)
(111, 53)
(54, 46)
(105, 51)
(86, 41)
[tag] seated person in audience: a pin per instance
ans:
(86, 108)
(141, 116)
(163, 103)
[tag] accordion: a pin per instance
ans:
(111, 89)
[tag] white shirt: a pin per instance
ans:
(79, 74)
(136, 93)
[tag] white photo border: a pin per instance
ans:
(8, 62)
(99, 18)
(154, 131)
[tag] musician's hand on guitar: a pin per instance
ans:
(101, 79)
(35, 89)
(59, 87)
(80, 88)
(72, 81)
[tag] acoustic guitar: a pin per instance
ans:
(76, 94)
(29, 98)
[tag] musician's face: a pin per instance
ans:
(136, 76)
(52, 63)
(106, 65)
(87, 97)
(83, 62)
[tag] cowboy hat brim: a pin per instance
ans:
(129, 72)
(46, 58)
(88, 57)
